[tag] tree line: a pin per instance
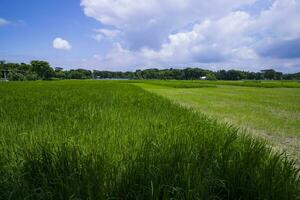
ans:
(41, 70)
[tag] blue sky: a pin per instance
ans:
(127, 35)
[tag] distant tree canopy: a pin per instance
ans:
(41, 70)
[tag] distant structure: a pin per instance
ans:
(203, 78)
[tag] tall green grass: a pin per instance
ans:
(110, 140)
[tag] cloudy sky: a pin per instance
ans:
(129, 35)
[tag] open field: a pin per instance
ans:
(114, 140)
(205, 83)
(270, 113)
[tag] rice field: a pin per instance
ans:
(115, 140)
(269, 113)
(208, 83)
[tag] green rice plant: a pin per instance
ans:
(181, 84)
(113, 140)
(206, 83)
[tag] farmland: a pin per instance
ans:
(128, 140)
(270, 110)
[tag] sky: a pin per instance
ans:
(127, 35)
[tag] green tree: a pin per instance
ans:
(42, 69)
(2, 65)
(269, 74)
(79, 74)
(210, 76)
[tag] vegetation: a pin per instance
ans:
(113, 140)
(272, 114)
(178, 84)
(201, 84)
(42, 70)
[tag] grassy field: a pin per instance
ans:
(272, 113)
(205, 83)
(114, 140)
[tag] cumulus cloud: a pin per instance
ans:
(101, 34)
(192, 31)
(278, 30)
(128, 13)
(282, 49)
(208, 41)
(3, 22)
(118, 56)
(147, 23)
(59, 43)
(281, 20)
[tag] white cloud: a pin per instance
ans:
(59, 43)
(101, 34)
(3, 22)
(118, 56)
(282, 20)
(147, 23)
(163, 32)
(124, 13)
(209, 41)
